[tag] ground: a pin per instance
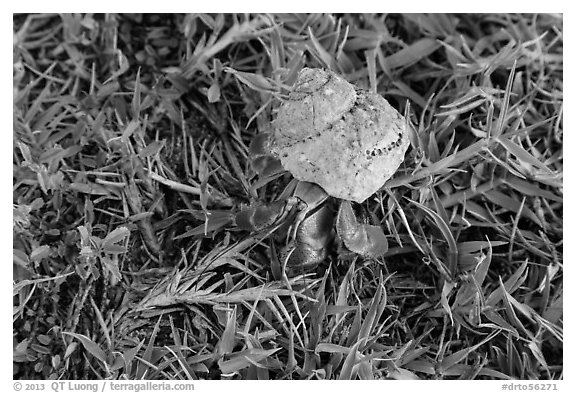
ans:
(131, 163)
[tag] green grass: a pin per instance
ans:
(131, 159)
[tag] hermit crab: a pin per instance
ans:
(340, 143)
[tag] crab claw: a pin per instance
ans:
(366, 240)
(313, 235)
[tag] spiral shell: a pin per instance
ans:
(345, 139)
(317, 99)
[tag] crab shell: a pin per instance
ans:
(345, 139)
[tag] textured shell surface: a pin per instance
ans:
(317, 99)
(347, 140)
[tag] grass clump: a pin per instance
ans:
(131, 160)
